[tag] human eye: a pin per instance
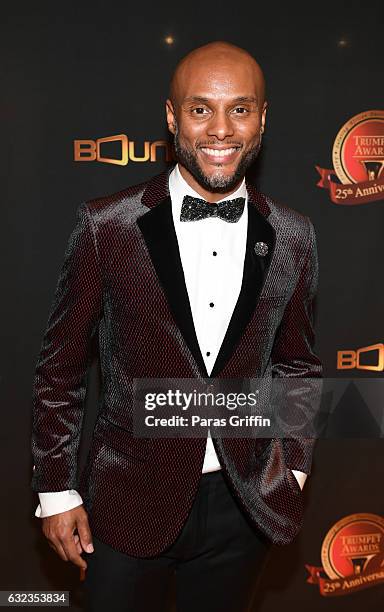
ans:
(199, 110)
(241, 110)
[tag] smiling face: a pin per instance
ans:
(216, 112)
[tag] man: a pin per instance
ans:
(193, 274)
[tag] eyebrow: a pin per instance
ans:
(207, 100)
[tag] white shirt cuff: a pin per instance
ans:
(56, 502)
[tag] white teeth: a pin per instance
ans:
(217, 152)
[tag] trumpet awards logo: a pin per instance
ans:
(127, 150)
(352, 555)
(358, 161)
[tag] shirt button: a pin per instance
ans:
(208, 353)
(211, 304)
(214, 253)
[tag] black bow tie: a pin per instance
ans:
(193, 209)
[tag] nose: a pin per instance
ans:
(220, 125)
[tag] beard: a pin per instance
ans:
(219, 183)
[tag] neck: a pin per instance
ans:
(209, 196)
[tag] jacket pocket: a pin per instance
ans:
(121, 439)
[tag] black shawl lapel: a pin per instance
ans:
(159, 234)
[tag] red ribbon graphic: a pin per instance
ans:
(352, 193)
(342, 586)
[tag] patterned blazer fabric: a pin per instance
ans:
(122, 279)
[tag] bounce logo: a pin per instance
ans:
(92, 150)
(352, 359)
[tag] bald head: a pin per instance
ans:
(216, 112)
(218, 56)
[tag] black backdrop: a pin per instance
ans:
(87, 70)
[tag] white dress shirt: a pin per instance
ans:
(212, 253)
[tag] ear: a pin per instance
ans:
(263, 115)
(170, 113)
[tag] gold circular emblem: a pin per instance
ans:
(358, 150)
(354, 544)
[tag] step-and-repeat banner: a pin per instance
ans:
(83, 115)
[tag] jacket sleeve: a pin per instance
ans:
(293, 357)
(60, 376)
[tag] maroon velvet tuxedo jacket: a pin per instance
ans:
(122, 278)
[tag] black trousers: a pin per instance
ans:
(216, 559)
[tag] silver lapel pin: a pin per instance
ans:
(261, 248)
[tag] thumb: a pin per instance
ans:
(85, 534)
